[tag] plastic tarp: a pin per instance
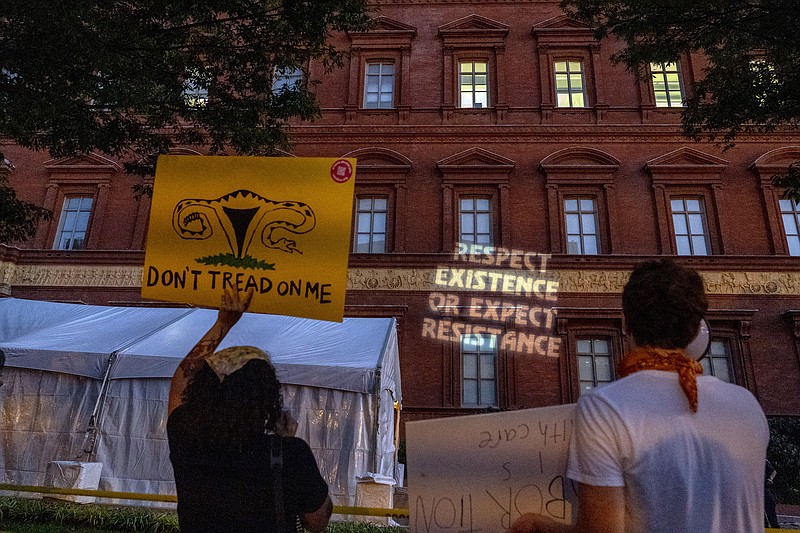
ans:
(340, 382)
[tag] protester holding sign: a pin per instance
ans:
(665, 448)
(237, 469)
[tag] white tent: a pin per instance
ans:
(91, 382)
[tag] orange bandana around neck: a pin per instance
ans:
(673, 360)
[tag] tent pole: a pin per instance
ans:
(93, 429)
(397, 408)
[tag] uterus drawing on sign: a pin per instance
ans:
(240, 216)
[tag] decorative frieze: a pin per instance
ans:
(77, 276)
(406, 279)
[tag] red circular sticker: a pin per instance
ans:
(341, 171)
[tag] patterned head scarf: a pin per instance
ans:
(648, 358)
(226, 362)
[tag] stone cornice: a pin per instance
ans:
(483, 134)
(571, 281)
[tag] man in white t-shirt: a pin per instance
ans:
(665, 449)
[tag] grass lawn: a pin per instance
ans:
(23, 515)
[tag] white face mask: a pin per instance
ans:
(699, 346)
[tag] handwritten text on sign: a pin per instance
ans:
(481, 472)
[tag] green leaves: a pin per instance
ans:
(751, 83)
(784, 454)
(113, 76)
(236, 262)
(789, 182)
(18, 219)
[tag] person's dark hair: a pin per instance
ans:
(237, 409)
(663, 304)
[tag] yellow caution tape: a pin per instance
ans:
(371, 511)
(88, 492)
(361, 511)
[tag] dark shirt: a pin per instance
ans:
(233, 492)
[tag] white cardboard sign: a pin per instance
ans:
(480, 473)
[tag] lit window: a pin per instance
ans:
(790, 212)
(370, 225)
(73, 223)
(195, 93)
(476, 221)
(667, 84)
(473, 84)
(570, 88)
(717, 362)
(478, 384)
(594, 363)
(689, 221)
(581, 221)
(286, 78)
(379, 86)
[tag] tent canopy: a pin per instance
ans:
(69, 362)
(150, 342)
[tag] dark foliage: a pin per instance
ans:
(18, 219)
(784, 454)
(752, 82)
(134, 79)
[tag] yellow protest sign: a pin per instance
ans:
(277, 225)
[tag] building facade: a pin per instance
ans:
(509, 178)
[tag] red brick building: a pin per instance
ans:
(501, 123)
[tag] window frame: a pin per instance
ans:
(377, 194)
(794, 213)
(195, 91)
(477, 172)
(703, 212)
(612, 359)
(734, 326)
(574, 323)
(62, 216)
(563, 38)
(709, 358)
(774, 162)
(474, 38)
(490, 197)
(473, 72)
(582, 171)
(387, 40)
(279, 81)
(495, 368)
(689, 172)
(567, 61)
(383, 172)
(598, 240)
(652, 113)
(663, 72)
(87, 175)
(364, 93)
